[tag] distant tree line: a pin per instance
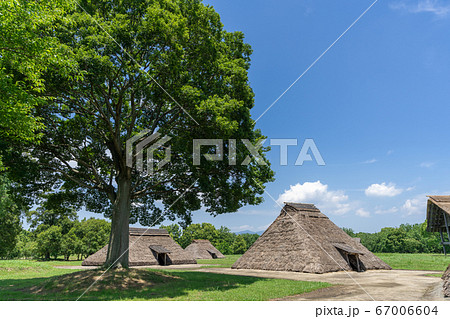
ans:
(403, 239)
(56, 232)
(77, 239)
(223, 239)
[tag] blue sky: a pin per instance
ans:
(376, 105)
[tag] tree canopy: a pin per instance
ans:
(27, 50)
(403, 239)
(167, 67)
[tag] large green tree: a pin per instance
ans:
(27, 49)
(164, 66)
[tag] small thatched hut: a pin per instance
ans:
(203, 249)
(438, 218)
(303, 239)
(147, 247)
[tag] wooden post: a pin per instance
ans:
(448, 232)
(442, 242)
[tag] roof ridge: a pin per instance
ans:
(301, 206)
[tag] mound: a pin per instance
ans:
(303, 239)
(121, 279)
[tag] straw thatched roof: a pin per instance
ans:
(303, 239)
(438, 208)
(203, 249)
(446, 278)
(147, 247)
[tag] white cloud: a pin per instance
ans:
(362, 213)
(427, 164)
(259, 212)
(415, 206)
(371, 161)
(423, 6)
(383, 190)
(391, 210)
(334, 202)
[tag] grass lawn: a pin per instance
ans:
(416, 261)
(33, 280)
(24, 269)
(219, 262)
(38, 280)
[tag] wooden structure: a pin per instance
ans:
(303, 239)
(147, 247)
(161, 253)
(351, 255)
(438, 218)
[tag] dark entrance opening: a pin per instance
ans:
(354, 262)
(351, 256)
(213, 254)
(162, 259)
(161, 254)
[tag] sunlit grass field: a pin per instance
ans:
(40, 280)
(34, 280)
(438, 262)
(226, 262)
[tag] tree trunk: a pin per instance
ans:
(119, 239)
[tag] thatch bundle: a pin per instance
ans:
(446, 278)
(147, 247)
(203, 249)
(303, 239)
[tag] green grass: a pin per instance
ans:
(198, 286)
(416, 261)
(219, 262)
(20, 269)
(39, 280)
(33, 280)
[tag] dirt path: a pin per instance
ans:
(393, 285)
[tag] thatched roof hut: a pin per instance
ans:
(147, 247)
(203, 249)
(438, 218)
(303, 239)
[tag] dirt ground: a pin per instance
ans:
(393, 285)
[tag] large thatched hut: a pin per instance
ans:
(303, 239)
(203, 249)
(147, 247)
(438, 218)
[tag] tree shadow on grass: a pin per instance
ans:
(143, 284)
